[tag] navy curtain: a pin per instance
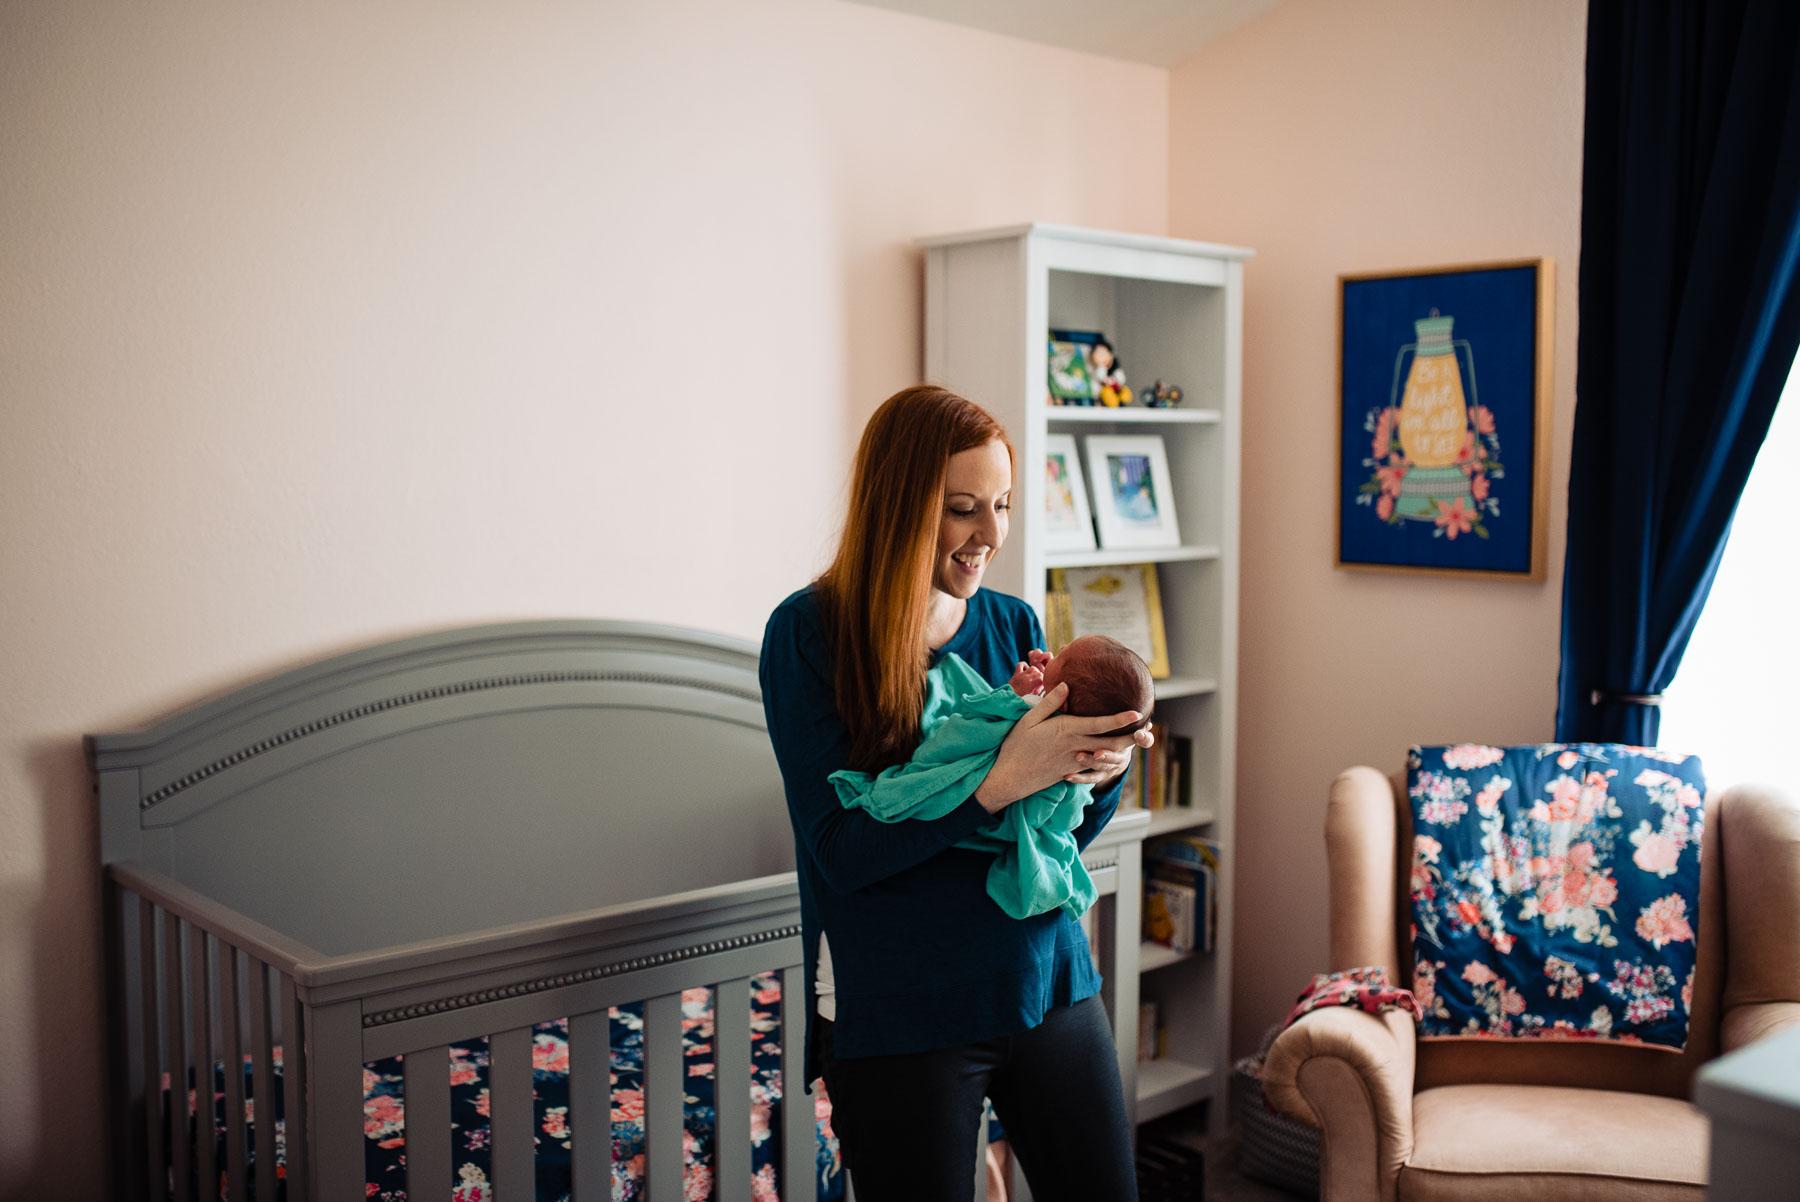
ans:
(1690, 316)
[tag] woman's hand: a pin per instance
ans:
(1045, 747)
(1102, 766)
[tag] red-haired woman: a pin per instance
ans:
(929, 997)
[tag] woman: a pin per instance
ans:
(929, 997)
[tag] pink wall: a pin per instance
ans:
(322, 324)
(1348, 136)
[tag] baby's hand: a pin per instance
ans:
(1028, 677)
(1027, 680)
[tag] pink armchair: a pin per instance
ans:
(1424, 1121)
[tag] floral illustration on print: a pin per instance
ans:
(1434, 450)
(1524, 876)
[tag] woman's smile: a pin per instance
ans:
(977, 505)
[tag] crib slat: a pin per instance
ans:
(798, 1179)
(510, 1117)
(427, 1116)
(590, 1106)
(181, 1149)
(231, 1052)
(731, 1089)
(206, 1151)
(663, 1089)
(124, 1053)
(156, 1180)
(335, 1114)
(262, 1082)
(297, 1161)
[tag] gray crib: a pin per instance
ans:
(290, 867)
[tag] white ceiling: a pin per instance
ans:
(1158, 32)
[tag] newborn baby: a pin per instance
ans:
(1104, 677)
(1037, 866)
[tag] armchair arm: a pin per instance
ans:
(1360, 848)
(1760, 841)
(1350, 1074)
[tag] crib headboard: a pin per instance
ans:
(459, 781)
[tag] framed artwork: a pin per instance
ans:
(1068, 524)
(1134, 501)
(1444, 419)
(1122, 601)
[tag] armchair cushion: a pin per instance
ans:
(1501, 1143)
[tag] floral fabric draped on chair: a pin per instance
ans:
(1555, 891)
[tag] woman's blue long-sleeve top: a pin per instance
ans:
(921, 956)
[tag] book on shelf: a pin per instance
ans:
(1162, 777)
(1149, 1037)
(1171, 913)
(1131, 789)
(1181, 875)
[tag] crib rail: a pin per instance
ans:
(648, 954)
(197, 985)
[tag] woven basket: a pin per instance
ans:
(1272, 1147)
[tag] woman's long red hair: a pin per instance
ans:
(876, 592)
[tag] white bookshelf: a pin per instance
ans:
(1172, 309)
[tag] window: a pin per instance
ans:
(1735, 700)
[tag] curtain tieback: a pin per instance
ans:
(1601, 697)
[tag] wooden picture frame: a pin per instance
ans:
(1441, 470)
(1122, 601)
(1068, 522)
(1134, 495)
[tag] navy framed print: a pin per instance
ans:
(1444, 419)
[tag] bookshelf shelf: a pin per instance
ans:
(1174, 310)
(1168, 1084)
(1058, 415)
(1185, 686)
(1152, 956)
(1102, 557)
(1177, 818)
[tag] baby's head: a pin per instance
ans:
(1104, 677)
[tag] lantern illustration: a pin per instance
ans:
(1433, 425)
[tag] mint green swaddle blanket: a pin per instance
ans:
(1037, 866)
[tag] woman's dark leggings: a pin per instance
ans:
(908, 1124)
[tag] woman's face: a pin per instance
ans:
(977, 496)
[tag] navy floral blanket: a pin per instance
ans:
(1555, 890)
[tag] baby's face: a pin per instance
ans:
(1053, 673)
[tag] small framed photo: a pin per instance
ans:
(1134, 500)
(1122, 601)
(1068, 375)
(1068, 525)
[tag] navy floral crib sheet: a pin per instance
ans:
(384, 1114)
